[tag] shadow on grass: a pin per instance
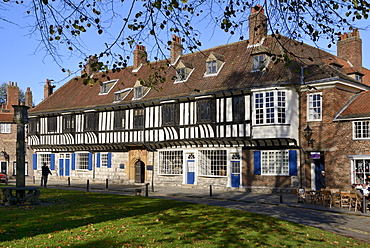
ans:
(78, 216)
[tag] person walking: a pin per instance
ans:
(45, 171)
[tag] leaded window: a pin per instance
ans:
(104, 159)
(138, 118)
(205, 111)
(119, 119)
(33, 125)
(270, 107)
(170, 114)
(314, 107)
(213, 162)
(171, 162)
(82, 161)
(43, 158)
(91, 121)
(275, 162)
(68, 123)
(238, 109)
(5, 128)
(361, 130)
(52, 123)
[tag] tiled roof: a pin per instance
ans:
(236, 74)
(359, 107)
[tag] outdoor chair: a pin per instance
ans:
(301, 195)
(326, 198)
(335, 197)
(355, 202)
(345, 200)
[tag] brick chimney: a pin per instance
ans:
(176, 48)
(349, 47)
(140, 56)
(257, 25)
(48, 89)
(91, 66)
(28, 97)
(12, 97)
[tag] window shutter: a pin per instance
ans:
(109, 162)
(34, 161)
(73, 167)
(257, 163)
(98, 160)
(293, 163)
(52, 161)
(89, 167)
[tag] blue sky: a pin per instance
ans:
(25, 62)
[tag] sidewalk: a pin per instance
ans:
(289, 200)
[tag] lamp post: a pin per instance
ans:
(308, 134)
(20, 118)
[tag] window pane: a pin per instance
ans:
(181, 74)
(41, 159)
(314, 106)
(213, 162)
(82, 161)
(5, 128)
(275, 162)
(211, 67)
(171, 162)
(104, 159)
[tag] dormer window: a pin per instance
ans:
(214, 64)
(358, 77)
(139, 90)
(181, 74)
(212, 67)
(105, 87)
(121, 95)
(183, 71)
(258, 62)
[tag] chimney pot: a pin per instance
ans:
(349, 47)
(176, 48)
(257, 25)
(140, 56)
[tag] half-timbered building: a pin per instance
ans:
(229, 116)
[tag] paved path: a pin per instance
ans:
(335, 219)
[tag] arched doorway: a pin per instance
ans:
(139, 171)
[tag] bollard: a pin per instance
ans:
(69, 182)
(281, 196)
(106, 183)
(87, 186)
(34, 179)
(364, 204)
(146, 189)
(210, 190)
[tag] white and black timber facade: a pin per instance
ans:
(227, 116)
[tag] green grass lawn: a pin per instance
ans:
(82, 219)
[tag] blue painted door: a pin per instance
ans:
(64, 164)
(235, 173)
(190, 165)
(67, 165)
(61, 167)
